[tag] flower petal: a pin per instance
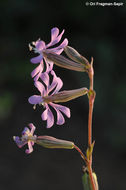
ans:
(25, 131)
(32, 127)
(40, 87)
(54, 37)
(37, 59)
(56, 82)
(63, 109)
(45, 78)
(59, 85)
(60, 47)
(49, 66)
(19, 142)
(44, 115)
(60, 118)
(50, 119)
(35, 99)
(37, 76)
(63, 44)
(48, 115)
(58, 51)
(37, 70)
(30, 148)
(54, 33)
(40, 45)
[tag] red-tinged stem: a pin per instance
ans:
(91, 104)
(91, 176)
(81, 153)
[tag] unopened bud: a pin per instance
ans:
(86, 181)
(66, 95)
(51, 142)
(75, 56)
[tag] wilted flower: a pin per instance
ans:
(45, 141)
(39, 47)
(46, 91)
(27, 138)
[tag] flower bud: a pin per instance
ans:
(62, 61)
(87, 183)
(75, 56)
(51, 142)
(66, 95)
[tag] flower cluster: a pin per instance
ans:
(49, 86)
(42, 75)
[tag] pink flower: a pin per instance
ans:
(44, 141)
(39, 47)
(47, 91)
(27, 138)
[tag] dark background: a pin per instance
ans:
(94, 31)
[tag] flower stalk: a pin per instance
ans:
(91, 97)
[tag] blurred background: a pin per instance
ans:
(93, 31)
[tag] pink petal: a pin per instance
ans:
(37, 76)
(60, 47)
(37, 59)
(50, 119)
(35, 99)
(48, 115)
(63, 109)
(40, 87)
(55, 38)
(47, 65)
(59, 85)
(56, 82)
(44, 115)
(30, 148)
(32, 127)
(63, 44)
(45, 78)
(60, 118)
(54, 33)
(51, 66)
(37, 70)
(58, 38)
(40, 45)
(58, 51)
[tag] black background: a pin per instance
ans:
(94, 31)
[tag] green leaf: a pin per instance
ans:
(90, 150)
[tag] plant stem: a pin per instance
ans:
(91, 104)
(81, 153)
(90, 121)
